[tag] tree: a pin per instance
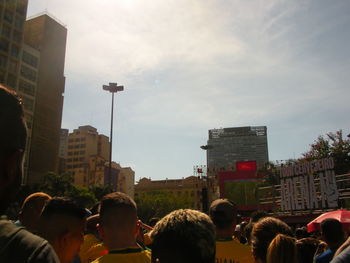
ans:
(57, 185)
(160, 203)
(100, 191)
(83, 196)
(331, 145)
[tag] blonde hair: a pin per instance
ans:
(282, 249)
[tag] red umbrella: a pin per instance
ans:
(343, 216)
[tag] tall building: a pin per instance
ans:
(227, 146)
(87, 153)
(12, 16)
(46, 37)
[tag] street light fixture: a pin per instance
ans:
(113, 88)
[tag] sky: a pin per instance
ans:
(188, 66)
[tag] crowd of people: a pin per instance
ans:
(57, 229)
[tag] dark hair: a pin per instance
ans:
(306, 249)
(63, 206)
(116, 200)
(186, 236)
(282, 249)
(264, 231)
(13, 131)
(332, 230)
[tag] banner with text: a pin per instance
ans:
(309, 185)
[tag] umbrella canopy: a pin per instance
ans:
(343, 216)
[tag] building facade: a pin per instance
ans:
(12, 16)
(227, 146)
(87, 152)
(86, 157)
(198, 191)
(47, 36)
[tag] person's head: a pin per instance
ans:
(13, 135)
(223, 214)
(184, 235)
(306, 249)
(332, 232)
(282, 249)
(62, 223)
(31, 209)
(118, 218)
(264, 231)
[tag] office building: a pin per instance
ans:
(227, 146)
(47, 36)
(12, 16)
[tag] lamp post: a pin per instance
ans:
(113, 88)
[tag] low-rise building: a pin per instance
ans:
(200, 191)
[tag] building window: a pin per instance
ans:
(18, 22)
(14, 51)
(8, 16)
(2, 76)
(13, 66)
(70, 146)
(70, 153)
(17, 36)
(82, 152)
(3, 61)
(82, 145)
(28, 73)
(77, 139)
(4, 45)
(11, 80)
(30, 59)
(71, 140)
(28, 103)
(6, 31)
(26, 87)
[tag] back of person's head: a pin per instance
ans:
(31, 209)
(184, 235)
(13, 135)
(62, 223)
(282, 249)
(264, 231)
(306, 249)
(118, 211)
(257, 215)
(332, 231)
(223, 213)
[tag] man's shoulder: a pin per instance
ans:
(16, 243)
(343, 256)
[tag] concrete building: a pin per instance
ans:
(87, 153)
(227, 146)
(12, 16)
(48, 36)
(126, 181)
(192, 188)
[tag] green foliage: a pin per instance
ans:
(331, 145)
(160, 203)
(83, 196)
(57, 185)
(100, 191)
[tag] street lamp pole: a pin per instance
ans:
(113, 88)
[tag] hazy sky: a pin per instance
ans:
(188, 66)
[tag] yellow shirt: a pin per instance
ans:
(231, 251)
(91, 249)
(128, 255)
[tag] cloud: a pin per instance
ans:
(189, 66)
